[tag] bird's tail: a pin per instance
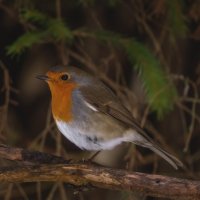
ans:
(172, 160)
(144, 141)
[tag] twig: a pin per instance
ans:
(88, 175)
(58, 9)
(61, 44)
(193, 113)
(4, 108)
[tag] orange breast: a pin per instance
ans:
(62, 101)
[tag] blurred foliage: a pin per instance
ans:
(34, 16)
(25, 41)
(160, 92)
(45, 29)
(176, 19)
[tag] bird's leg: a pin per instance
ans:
(93, 156)
(90, 159)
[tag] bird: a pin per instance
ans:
(90, 115)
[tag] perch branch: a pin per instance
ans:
(87, 175)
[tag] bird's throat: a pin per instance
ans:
(62, 102)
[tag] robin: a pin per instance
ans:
(89, 114)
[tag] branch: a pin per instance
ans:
(29, 157)
(87, 175)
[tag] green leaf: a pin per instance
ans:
(49, 29)
(34, 16)
(58, 30)
(25, 41)
(160, 92)
(54, 27)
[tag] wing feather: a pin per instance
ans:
(100, 99)
(104, 101)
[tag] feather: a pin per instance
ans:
(102, 99)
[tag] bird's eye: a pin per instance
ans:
(64, 77)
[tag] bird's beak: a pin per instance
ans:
(43, 77)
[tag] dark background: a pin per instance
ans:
(137, 47)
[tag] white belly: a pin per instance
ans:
(75, 135)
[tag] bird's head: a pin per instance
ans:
(61, 78)
(62, 81)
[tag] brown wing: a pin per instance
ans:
(104, 101)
